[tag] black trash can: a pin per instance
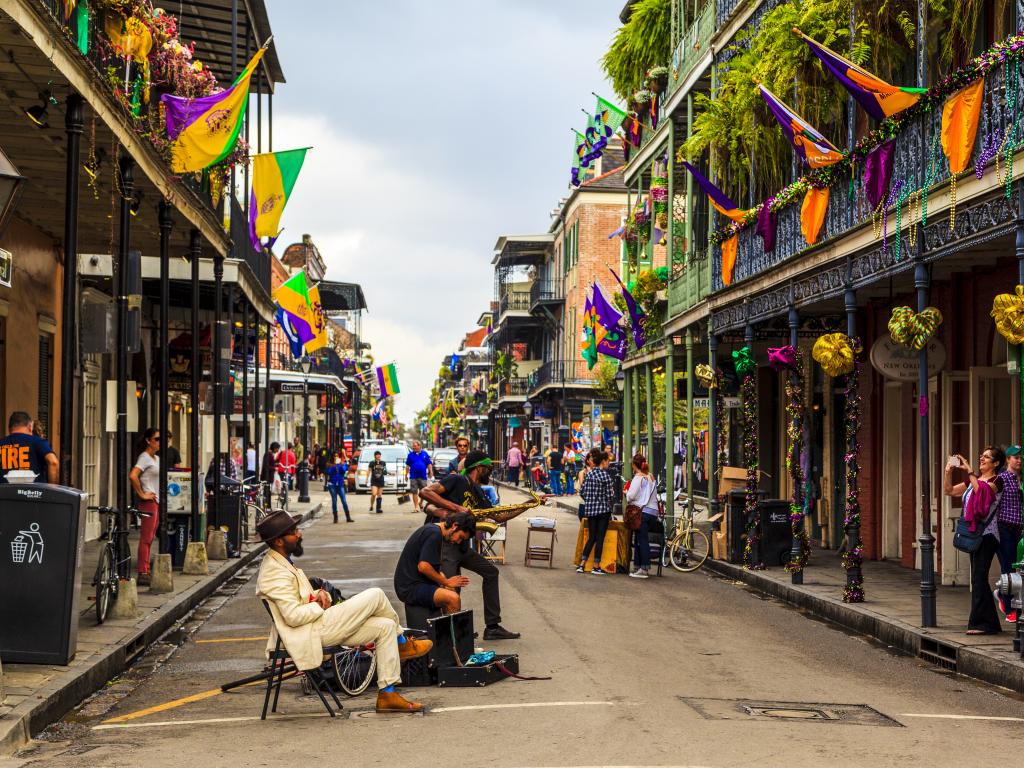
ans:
(737, 532)
(228, 515)
(776, 532)
(42, 530)
(180, 522)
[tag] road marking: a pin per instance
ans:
(527, 705)
(231, 640)
(122, 722)
(966, 717)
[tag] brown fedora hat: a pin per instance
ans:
(276, 524)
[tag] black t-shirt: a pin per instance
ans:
(458, 490)
(556, 460)
(377, 470)
(21, 451)
(173, 457)
(424, 546)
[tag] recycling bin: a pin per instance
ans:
(179, 523)
(776, 532)
(42, 534)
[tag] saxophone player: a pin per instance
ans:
(462, 492)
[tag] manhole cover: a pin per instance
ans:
(747, 709)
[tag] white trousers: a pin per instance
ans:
(366, 618)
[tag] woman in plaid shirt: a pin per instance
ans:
(598, 494)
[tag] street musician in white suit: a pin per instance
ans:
(307, 621)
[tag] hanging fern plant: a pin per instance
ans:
(640, 44)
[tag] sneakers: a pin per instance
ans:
(639, 573)
(395, 702)
(597, 570)
(414, 648)
(1010, 617)
(498, 632)
(580, 569)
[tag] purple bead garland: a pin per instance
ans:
(852, 558)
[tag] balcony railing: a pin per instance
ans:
(514, 301)
(693, 44)
(690, 282)
(514, 387)
(545, 291)
(916, 147)
(561, 372)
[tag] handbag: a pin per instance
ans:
(634, 514)
(966, 540)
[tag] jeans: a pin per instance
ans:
(597, 527)
(642, 543)
(1009, 536)
(513, 475)
(569, 483)
(556, 482)
(453, 558)
(336, 491)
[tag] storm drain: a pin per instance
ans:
(938, 653)
(757, 709)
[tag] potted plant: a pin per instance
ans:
(657, 78)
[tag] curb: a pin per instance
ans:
(958, 657)
(52, 702)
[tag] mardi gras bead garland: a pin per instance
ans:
(828, 176)
(719, 400)
(796, 411)
(852, 555)
(751, 511)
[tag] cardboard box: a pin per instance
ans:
(733, 479)
(719, 548)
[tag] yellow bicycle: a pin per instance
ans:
(688, 546)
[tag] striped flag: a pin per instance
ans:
(387, 377)
(273, 178)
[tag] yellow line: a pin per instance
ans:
(168, 705)
(231, 640)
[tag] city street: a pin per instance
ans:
(683, 670)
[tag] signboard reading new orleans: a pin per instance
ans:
(900, 363)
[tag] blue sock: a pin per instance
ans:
(402, 640)
(388, 689)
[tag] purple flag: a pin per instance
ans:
(637, 317)
(766, 226)
(878, 172)
(613, 341)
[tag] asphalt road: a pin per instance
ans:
(683, 670)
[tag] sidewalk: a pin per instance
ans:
(891, 613)
(34, 695)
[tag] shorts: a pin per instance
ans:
(421, 595)
(417, 483)
(375, 483)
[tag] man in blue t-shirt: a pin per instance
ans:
(23, 450)
(420, 468)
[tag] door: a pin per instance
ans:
(958, 436)
(892, 471)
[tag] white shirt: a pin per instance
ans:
(149, 477)
(250, 460)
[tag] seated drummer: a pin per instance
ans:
(462, 492)
(418, 577)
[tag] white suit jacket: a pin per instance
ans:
(296, 619)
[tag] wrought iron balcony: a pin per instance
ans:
(515, 388)
(916, 147)
(514, 301)
(545, 292)
(557, 373)
(690, 281)
(693, 43)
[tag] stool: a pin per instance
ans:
(416, 616)
(538, 552)
(488, 544)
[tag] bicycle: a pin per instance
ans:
(688, 546)
(115, 559)
(254, 500)
(352, 669)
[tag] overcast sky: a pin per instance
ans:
(437, 126)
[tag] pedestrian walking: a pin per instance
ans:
(286, 466)
(643, 493)
(269, 472)
(985, 488)
(554, 462)
(462, 446)
(145, 480)
(324, 460)
(336, 475)
(420, 469)
(250, 461)
(598, 494)
(514, 463)
(377, 470)
(22, 449)
(569, 465)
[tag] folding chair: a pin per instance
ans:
(281, 663)
(488, 544)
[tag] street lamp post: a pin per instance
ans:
(303, 470)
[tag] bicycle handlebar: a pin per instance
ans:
(115, 510)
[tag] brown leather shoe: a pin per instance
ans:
(395, 702)
(414, 648)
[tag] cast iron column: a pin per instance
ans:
(195, 249)
(215, 340)
(854, 575)
(245, 394)
(670, 420)
(127, 167)
(690, 443)
(166, 221)
(713, 425)
(303, 469)
(1019, 247)
(926, 541)
(627, 423)
(649, 408)
(268, 396)
(756, 558)
(796, 550)
(69, 298)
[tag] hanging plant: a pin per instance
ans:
(657, 78)
(643, 42)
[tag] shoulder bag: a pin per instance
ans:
(634, 513)
(966, 540)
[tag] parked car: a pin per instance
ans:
(397, 478)
(441, 457)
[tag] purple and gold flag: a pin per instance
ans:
(637, 317)
(718, 199)
(609, 320)
(814, 148)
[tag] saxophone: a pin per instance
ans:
(489, 518)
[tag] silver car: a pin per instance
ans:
(397, 478)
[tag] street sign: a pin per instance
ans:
(701, 402)
(731, 402)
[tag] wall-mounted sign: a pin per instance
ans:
(731, 402)
(894, 361)
(6, 267)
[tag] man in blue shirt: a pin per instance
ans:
(23, 450)
(420, 468)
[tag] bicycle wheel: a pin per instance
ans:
(690, 550)
(353, 669)
(104, 576)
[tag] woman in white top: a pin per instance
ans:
(145, 479)
(643, 493)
